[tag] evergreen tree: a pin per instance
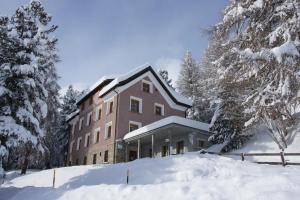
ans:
(261, 51)
(165, 75)
(68, 107)
(28, 55)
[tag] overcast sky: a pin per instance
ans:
(98, 37)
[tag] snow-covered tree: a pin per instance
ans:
(165, 75)
(27, 58)
(188, 84)
(68, 107)
(261, 50)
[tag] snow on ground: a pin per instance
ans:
(190, 176)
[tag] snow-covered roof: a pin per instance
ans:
(95, 85)
(73, 114)
(143, 68)
(166, 121)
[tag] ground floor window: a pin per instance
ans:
(70, 163)
(164, 150)
(106, 156)
(132, 155)
(85, 160)
(180, 147)
(77, 161)
(94, 158)
(201, 143)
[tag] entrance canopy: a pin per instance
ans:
(179, 125)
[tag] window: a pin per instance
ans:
(134, 125)
(147, 86)
(71, 146)
(98, 112)
(94, 158)
(82, 106)
(96, 135)
(89, 119)
(135, 104)
(87, 140)
(91, 100)
(109, 106)
(77, 162)
(80, 123)
(108, 129)
(159, 109)
(78, 143)
(105, 156)
(73, 128)
(85, 160)
(201, 143)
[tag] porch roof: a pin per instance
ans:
(150, 129)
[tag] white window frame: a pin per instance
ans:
(162, 108)
(97, 112)
(73, 128)
(81, 122)
(71, 146)
(139, 124)
(140, 103)
(88, 121)
(85, 139)
(106, 129)
(108, 105)
(95, 134)
(148, 82)
(78, 143)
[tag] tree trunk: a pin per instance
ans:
(24, 166)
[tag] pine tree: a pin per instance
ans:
(261, 50)
(68, 107)
(28, 55)
(165, 75)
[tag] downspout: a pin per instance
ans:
(116, 123)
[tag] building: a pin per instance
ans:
(132, 116)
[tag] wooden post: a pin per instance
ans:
(243, 156)
(53, 184)
(152, 145)
(282, 158)
(139, 146)
(127, 176)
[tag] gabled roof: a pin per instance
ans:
(145, 130)
(100, 83)
(128, 77)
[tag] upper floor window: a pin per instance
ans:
(134, 125)
(87, 140)
(136, 104)
(89, 119)
(109, 106)
(82, 106)
(78, 143)
(97, 135)
(91, 100)
(147, 86)
(98, 113)
(108, 130)
(73, 128)
(71, 146)
(159, 109)
(80, 123)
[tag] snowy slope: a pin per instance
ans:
(189, 176)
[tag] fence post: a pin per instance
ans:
(53, 184)
(127, 176)
(282, 158)
(243, 156)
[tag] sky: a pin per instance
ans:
(107, 37)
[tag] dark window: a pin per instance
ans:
(165, 151)
(100, 154)
(111, 105)
(82, 106)
(99, 113)
(84, 160)
(134, 105)
(133, 127)
(98, 136)
(106, 156)
(146, 87)
(70, 163)
(77, 162)
(201, 143)
(90, 119)
(88, 141)
(108, 131)
(79, 144)
(180, 147)
(94, 158)
(91, 101)
(158, 110)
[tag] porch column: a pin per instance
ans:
(139, 149)
(126, 152)
(152, 145)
